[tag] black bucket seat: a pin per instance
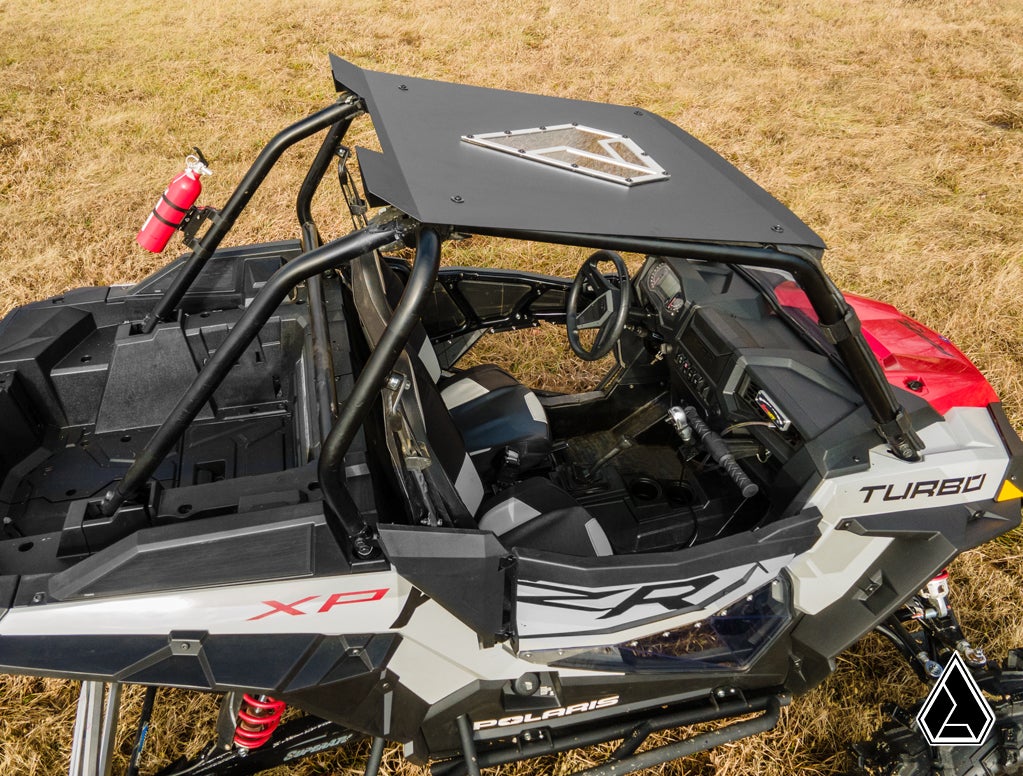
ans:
(532, 513)
(500, 419)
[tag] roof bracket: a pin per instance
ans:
(844, 328)
(900, 435)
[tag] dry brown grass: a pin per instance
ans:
(893, 127)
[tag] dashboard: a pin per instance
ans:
(733, 354)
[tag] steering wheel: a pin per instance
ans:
(607, 313)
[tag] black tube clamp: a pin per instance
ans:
(899, 433)
(842, 329)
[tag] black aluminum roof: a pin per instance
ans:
(430, 172)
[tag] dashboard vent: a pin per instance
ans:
(749, 393)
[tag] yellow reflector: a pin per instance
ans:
(1008, 492)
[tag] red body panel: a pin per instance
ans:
(912, 356)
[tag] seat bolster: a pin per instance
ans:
(461, 391)
(536, 493)
(539, 515)
(487, 376)
(571, 531)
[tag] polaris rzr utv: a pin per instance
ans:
(261, 472)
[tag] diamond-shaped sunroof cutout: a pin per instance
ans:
(573, 147)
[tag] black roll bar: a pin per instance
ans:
(333, 254)
(311, 182)
(222, 223)
(323, 364)
(371, 379)
(837, 319)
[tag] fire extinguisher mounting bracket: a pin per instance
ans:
(193, 221)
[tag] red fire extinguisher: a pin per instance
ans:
(171, 208)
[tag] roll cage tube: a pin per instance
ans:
(371, 380)
(837, 319)
(263, 305)
(343, 111)
(323, 363)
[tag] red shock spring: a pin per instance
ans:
(258, 718)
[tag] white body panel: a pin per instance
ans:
(439, 655)
(543, 626)
(363, 603)
(964, 460)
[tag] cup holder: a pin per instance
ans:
(645, 489)
(679, 494)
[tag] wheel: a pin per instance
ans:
(607, 313)
(899, 749)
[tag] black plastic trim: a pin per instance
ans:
(281, 543)
(295, 665)
(784, 537)
(441, 561)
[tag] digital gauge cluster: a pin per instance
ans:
(665, 286)
(664, 289)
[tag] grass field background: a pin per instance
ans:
(893, 128)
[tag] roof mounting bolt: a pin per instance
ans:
(574, 124)
(522, 150)
(507, 132)
(402, 88)
(542, 129)
(778, 228)
(637, 113)
(457, 199)
(628, 180)
(38, 598)
(470, 137)
(574, 164)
